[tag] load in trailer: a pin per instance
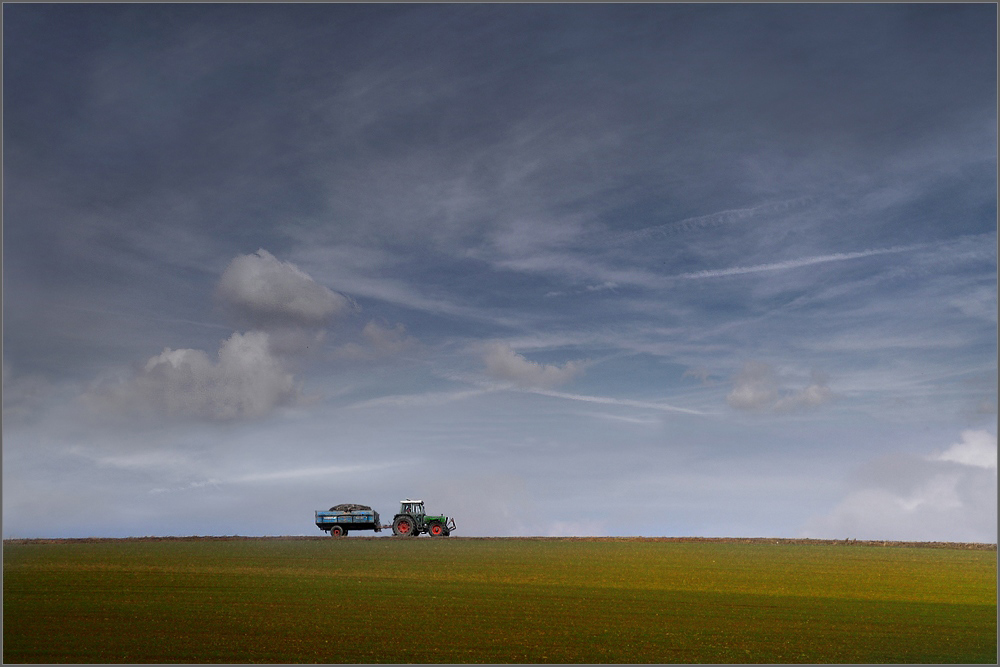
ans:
(348, 516)
(411, 520)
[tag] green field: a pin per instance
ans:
(509, 600)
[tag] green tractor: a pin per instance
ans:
(412, 520)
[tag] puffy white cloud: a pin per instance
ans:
(286, 309)
(264, 292)
(503, 363)
(246, 381)
(756, 387)
(978, 448)
(946, 496)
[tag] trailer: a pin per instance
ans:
(340, 519)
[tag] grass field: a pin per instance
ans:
(468, 600)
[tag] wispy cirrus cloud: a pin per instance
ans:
(624, 402)
(424, 399)
(719, 218)
(797, 263)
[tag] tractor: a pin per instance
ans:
(412, 520)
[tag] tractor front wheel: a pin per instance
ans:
(436, 529)
(337, 531)
(403, 527)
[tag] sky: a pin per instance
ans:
(723, 270)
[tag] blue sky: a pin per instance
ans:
(720, 270)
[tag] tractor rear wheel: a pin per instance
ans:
(403, 526)
(436, 529)
(337, 531)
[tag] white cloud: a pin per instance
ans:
(433, 398)
(504, 363)
(247, 381)
(266, 292)
(718, 218)
(947, 496)
(756, 387)
(625, 402)
(978, 448)
(798, 263)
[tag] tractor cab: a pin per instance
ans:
(414, 508)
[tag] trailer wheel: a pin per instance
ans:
(436, 529)
(403, 526)
(337, 531)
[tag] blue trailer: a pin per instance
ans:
(342, 518)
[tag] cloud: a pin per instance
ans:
(251, 377)
(757, 388)
(718, 218)
(812, 396)
(625, 402)
(947, 496)
(798, 263)
(247, 381)
(380, 341)
(264, 292)
(978, 448)
(427, 399)
(504, 363)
